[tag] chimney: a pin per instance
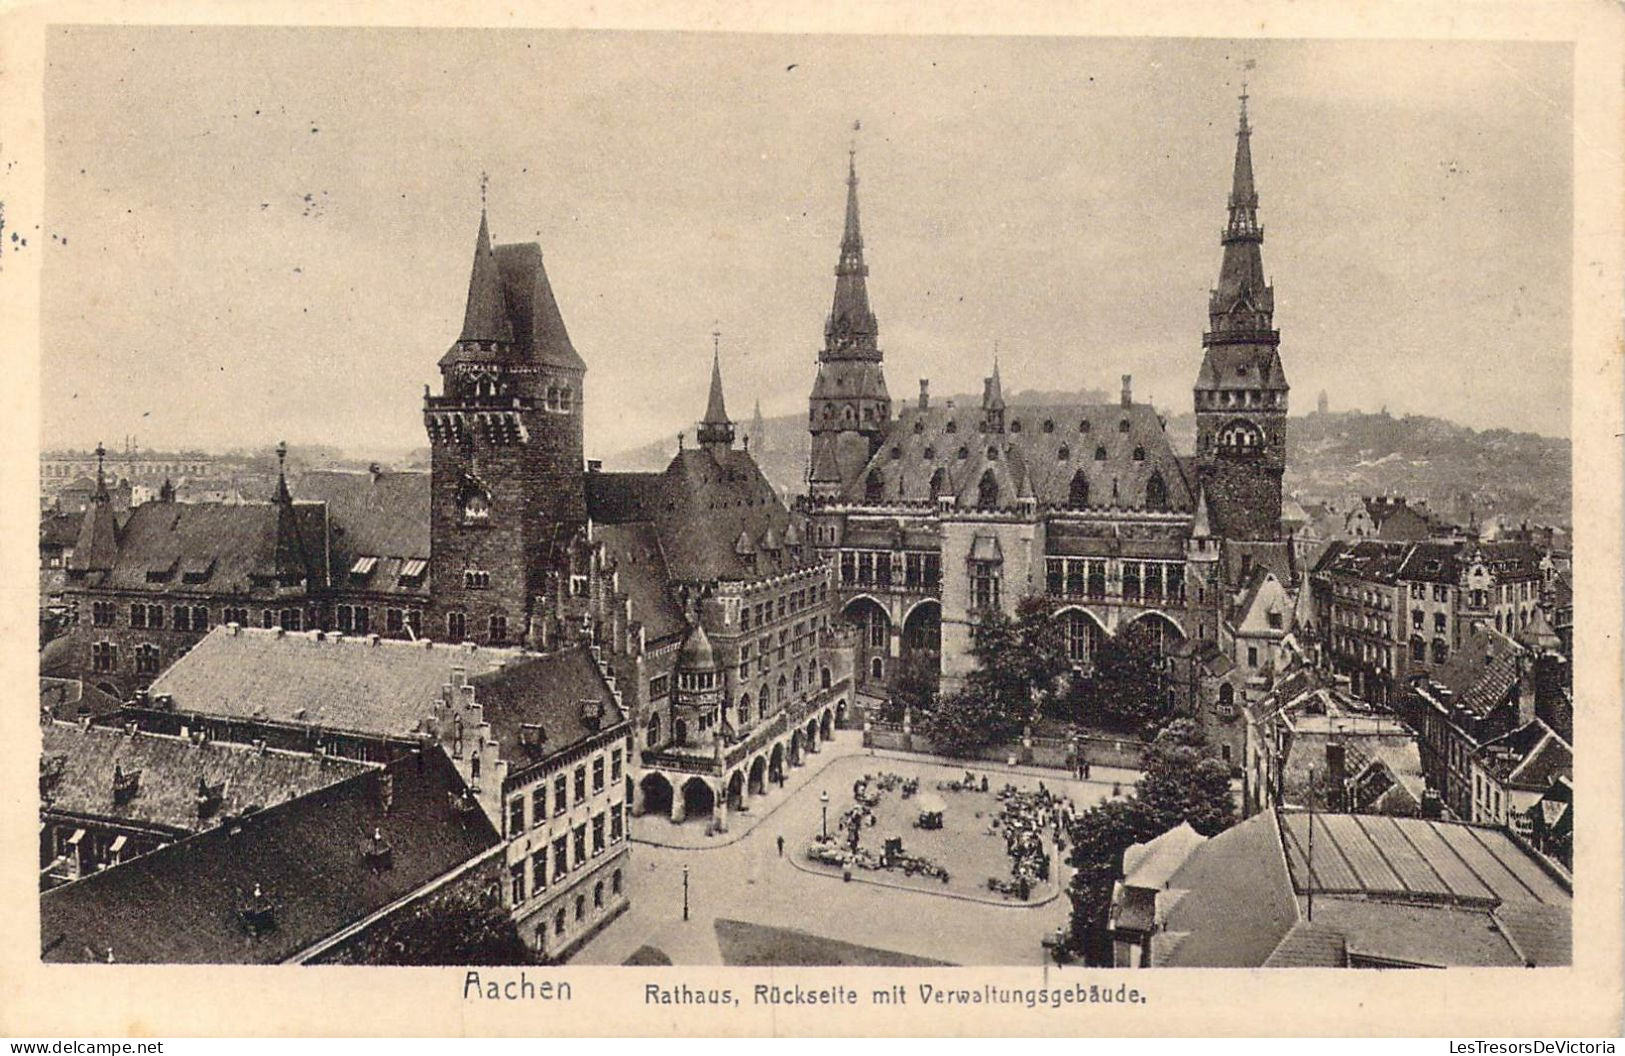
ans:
(376, 471)
(1128, 390)
(1336, 772)
(925, 394)
(595, 465)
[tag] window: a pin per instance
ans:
(104, 656)
(138, 615)
(580, 841)
(1252, 656)
(1139, 454)
(987, 491)
(1441, 652)
(1417, 618)
(615, 765)
(598, 774)
(200, 617)
(561, 795)
(561, 861)
(1156, 492)
(1438, 623)
(456, 627)
(538, 803)
(598, 895)
(183, 618)
(499, 628)
(581, 907)
(581, 783)
(1100, 454)
(102, 614)
(651, 736)
(598, 834)
(1122, 425)
(476, 580)
(984, 585)
(616, 826)
(516, 815)
(146, 660)
(558, 923)
(414, 622)
(240, 617)
(516, 874)
(615, 881)
(538, 869)
(1419, 649)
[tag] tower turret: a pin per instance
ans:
(1241, 389)
(716, 430)
(849, 408)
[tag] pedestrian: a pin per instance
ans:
(781, 846)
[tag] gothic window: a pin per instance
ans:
(1122, 425)
(499, 629)
(1139, 454)
(456, 627)
(1078, 495)
(1083, 426)
(1156, 493)
(938, 479)
(146, 660)
(953, 426)
(919, 426)
(930, 453)
(1082, 636)
(1064, 454)
(1049, 425)
(829, 410)
(104, 656)
(475, 500)
(564, 398)
(987, 491)
(992, 454)
(1100, 454)
(1015, 426)
(872, 488)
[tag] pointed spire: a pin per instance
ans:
(486, 316)
(96, 548)
(101, 494)
(995, 388)
(715, 428)
(851, 330)
(283, 495)
(1243, 304)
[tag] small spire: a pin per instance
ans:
(101, 476)
(485, 318)
(282, 492)
(715, 428)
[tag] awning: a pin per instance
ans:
(413, 569)
(78, 834)
(363, 566)
(116, 846)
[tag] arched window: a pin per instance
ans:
(952, 426)
(1441, 652)
(1227, 698)
(938, 479)
(652, 735)
(1049, 425)
(876, 669)
(1100, 454)
(872, 487)
(963, 453)
(1083, 426)
(987, 491)
(992, 454)
(744, 708)
(1078, 495)
(824, 678)
(1156, 492)
(795, 681)
(919, 426)
(1064, 454)
(1139, 454)
(930, 452)
(1015, 426)
(1122, 425)
(1419, 648)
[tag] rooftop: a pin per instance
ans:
(191, 902)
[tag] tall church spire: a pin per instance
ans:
(486, 316)
(96, 548)
(716, 430)
(851, 330)
(1242, 306)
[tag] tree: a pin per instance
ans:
(962, 724)
(1100, 836)
(1183, 780)
(1126, 688)
(1019, 661)
(914, 686)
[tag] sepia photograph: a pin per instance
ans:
(519, 500)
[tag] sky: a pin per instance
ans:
(256, 234)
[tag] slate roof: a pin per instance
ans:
(376, 515)
(1310, 945)
(1151, 864)
(1482, 670)
(82, 760)
(919, 443)
(59, 531)
(180, 904)
(640, 569)
(698, 509)
(547, 692)
(1431, 563)
(238, 543)
(70, 699)
(1237, 904)
(1531, 756)
(370, 686)
(1367, 560)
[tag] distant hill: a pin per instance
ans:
(1329, 456)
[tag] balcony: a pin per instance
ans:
(479, 403)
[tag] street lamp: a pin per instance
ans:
(685, 890)
(823, 801)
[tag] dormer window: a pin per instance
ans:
(992, 454)
(1083, 426)
(1015, 426)
(1139, 454)
(930, 453)
(1064, 454)
(1100, 454)
(952, 426)
(1122, 425)
(896, 453)
(964, 453)
(1049, 425)
(919, 426)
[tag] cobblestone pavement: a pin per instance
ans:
(745, 879)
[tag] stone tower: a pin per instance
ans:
(850, 408)
(507, 489)
(1241, 390)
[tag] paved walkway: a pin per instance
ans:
(745, 879)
